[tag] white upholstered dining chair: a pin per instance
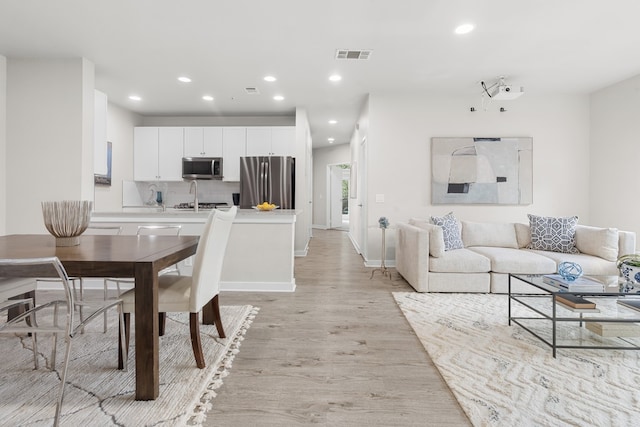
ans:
(46, 318)
(190, 294)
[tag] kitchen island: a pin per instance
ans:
(260, 252)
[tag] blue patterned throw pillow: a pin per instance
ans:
(450, 231)
(553, 234)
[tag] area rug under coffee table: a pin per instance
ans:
(503, 376)
(97, 394)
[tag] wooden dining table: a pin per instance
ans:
(141, 257)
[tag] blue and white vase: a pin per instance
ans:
(630, 273)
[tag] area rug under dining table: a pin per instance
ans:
(502, 376)
(97, 394)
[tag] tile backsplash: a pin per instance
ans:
(140, 193)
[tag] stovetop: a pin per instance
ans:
(202, 205)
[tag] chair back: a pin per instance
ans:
(207, 265)
(107, 230)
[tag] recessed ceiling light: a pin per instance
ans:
(207, 98)
(464, 28)
(184, 79)
(333, 122)
(278, 98)
(135, 98)
(335, 78)
(331, 140)
(270, 79)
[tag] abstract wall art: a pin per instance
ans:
(468, 170)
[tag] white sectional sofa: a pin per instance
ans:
(492, 250)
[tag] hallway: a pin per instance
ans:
(336, 352)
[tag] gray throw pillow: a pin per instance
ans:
(450, 231)
(553, 234)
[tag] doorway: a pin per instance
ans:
(338, 206)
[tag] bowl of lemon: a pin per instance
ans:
(266, 206)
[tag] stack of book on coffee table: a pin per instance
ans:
(575, 301)
(581, 284)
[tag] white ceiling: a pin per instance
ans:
(142, 46)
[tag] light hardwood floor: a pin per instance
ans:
(336, 352)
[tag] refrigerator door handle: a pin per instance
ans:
(264, 173)
(267, 182)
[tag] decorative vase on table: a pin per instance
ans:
(66, 220)
(629, 267)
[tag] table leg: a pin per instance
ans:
(147, 327)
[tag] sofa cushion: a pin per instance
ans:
(516, 261)
(460, 261)
(600, 242)
(591, 265)
(450, 231)
(523, 234)
(502, 235)
(436, 239)
(553, 234)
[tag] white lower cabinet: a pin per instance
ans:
(260, 253)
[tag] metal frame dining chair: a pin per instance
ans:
(79, 299)
(147, 230)
(191, 293)
(32, 322)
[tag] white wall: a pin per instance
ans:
(304, 182)
(615, 156)
(322, 158)
(358, 204)
(120, 124)
(399, 164)
(3, 145)
(49, 137)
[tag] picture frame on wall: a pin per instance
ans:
(481, 170)
(105, 179)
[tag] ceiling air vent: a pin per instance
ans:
(252, 90)
(353, 54)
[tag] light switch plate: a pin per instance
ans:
(379, 198)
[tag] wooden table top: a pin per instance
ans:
(100, 255)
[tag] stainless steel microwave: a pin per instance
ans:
(202, 168)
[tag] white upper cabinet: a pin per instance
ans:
(283, 141)
(258, 141)
(233, 147)
(203, 142)
(271, 141)
(157, 153)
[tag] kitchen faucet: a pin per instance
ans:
(193, 184)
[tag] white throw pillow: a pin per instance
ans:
(523, 234)
(553, 234)
(436, 238)
(600, 242)
(499, 235)
(450, 231)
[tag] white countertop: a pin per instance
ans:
(244, 216)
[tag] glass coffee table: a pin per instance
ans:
(612, 321)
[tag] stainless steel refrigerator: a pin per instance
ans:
(267, 179)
